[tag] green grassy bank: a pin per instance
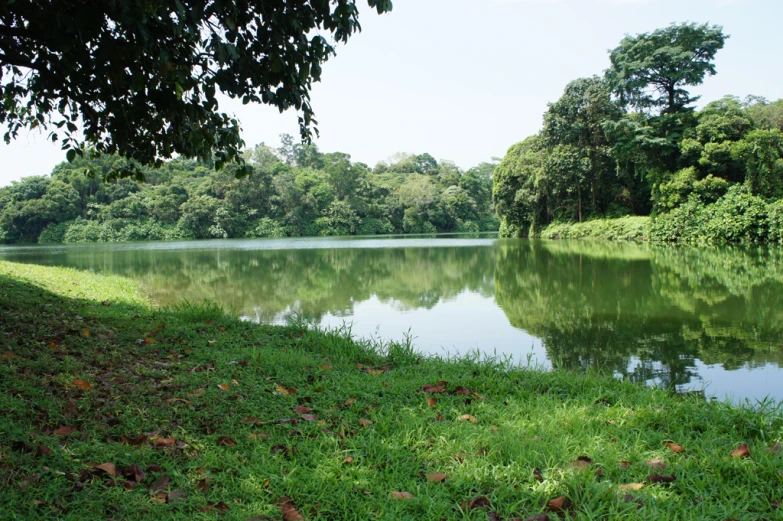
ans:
(115, 409)
(622, 229)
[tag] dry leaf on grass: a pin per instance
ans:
(402, 496)
(436, 477)
(225, 441)
(559, 504)
(742, 451)
(108, 468)
(81, 384)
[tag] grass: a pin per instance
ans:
(634, 228)
(193, 411)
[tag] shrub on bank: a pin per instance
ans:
(738, 216)
(632, 228)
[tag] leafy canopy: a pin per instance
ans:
(140, 78)
(649, 70)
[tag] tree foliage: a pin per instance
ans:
(631, 144)
(294, 190)
(139, 79)
(651, 70)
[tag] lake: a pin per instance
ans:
(706, 318)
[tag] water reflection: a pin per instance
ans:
(670, 315)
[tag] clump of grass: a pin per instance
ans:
(116, 409)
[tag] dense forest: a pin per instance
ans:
(630, 142)
(294, 190)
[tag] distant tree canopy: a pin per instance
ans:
(294, 190)
(139, 79)
(631, 143)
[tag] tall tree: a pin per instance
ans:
(577, 120)
(650, 71)
(140, 78)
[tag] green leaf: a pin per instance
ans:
(70, 155)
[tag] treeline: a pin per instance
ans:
(295, 190)
(630, 142)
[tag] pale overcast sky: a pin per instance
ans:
(465, 79)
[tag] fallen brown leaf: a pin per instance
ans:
(108, 468)
(42, 450)
(436, 477)
(65, 430)
(631, 486)
(349, 459)
(559, 504)
(134, 472)
(224, 387)
(674, 447)
(364, 422)
(476, 502)
(402, 496)
(203, 485)
(282, 449)
(440, 387)
(349, 401)
(310, 417)
(301, 409)
(286, 505)
(162, 443)
(162, 484)
(81, 384)
(431, 402)
(625, 464)
(138, 441)
(467, 417)
(775, 448)
(225, 441)
(656, 464)
(742, 451)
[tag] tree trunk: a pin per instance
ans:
(579, 192)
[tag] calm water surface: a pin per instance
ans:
(694, 318)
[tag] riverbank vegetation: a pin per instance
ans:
(116, 408)
(293, 191)
(631, 143)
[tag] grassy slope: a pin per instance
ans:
(160, 372)
(621, 229)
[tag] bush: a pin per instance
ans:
(375, 226)
(632, 228)
(738, 216)
(468, 227)
(266, 227)
(54, 233)
(775, 220)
